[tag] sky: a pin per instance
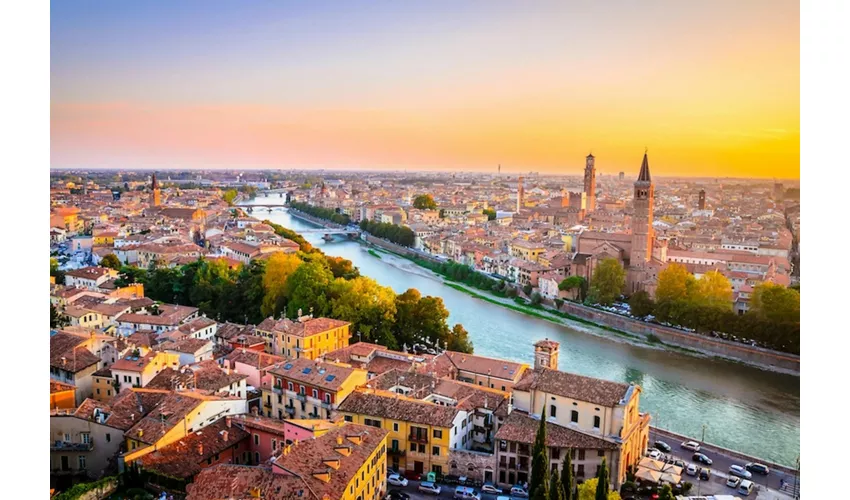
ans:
(710, 88)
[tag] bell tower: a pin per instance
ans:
(590, 182)
(155, 195)
(546, 354)
(642, 233)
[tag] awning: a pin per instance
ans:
(648, 475)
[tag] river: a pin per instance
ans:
(744, 409)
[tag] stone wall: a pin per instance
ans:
(471, 464)
(765, 358)
(392, 247)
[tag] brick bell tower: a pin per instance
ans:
(643, 234)
(546, 354)
(155, 195)
(590, 182)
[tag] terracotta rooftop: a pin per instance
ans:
(254, 358)
(124, 409)
(187, 346)
(206, 376)
(314, 373)
(569, 385)
(385, 404)
(67, 354)
(305, 328)
(170, 411)
(92, 273)
(481, 365)
(60, 387)
(184, 458)
(242, 482)
(521, 428)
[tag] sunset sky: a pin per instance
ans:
(711, 87)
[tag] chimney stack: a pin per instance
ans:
(228, 422)
(200, 448)
(224, 435)
(339, 439)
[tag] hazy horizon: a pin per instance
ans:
(711, 88)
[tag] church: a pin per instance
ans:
(640, 253)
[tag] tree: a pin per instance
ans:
(490, 213)
(279, 267)
(714, 290)
(527, 288)
(608, 281)
(536, 299)
(587, 491)
(776, 303)
(229, 196)
(539, 483)
(556, 489)
(559, 303)
(57, 319)
(368, 306)
(567, 476)
(342, 268)
(111, 261)
(674, 283)
(306, 290)
(603, 484)
(640, 304)
(459, 339)
(666, 493)
(577, 283)
(425, 202)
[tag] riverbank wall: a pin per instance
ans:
(674, 438)
(312, 219)
(397, 249)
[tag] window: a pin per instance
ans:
(315, 394)
(138, 381)
(435, 450)
(581, 454)
(395, 426)
(108, 438)
(289, 385)
(413, 447)
(347, 418)
(596, 421)
(98, 391)
(600, 453)
(256, 439)
(274, 444)
(328, 398)
(82, 461)
(438, 434)
(574, 417)
(580, 470)
(556, 453)
(257, 457)
(85, 437)
(67, 438)
(553, 411)
(302, 390)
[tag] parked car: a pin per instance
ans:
(691, 470)
(691, 445)
(661, 445)
(490, 488)
(397, 495)
(429, 487)
(733, 481)
(503, 498)
(758, 468)
(746, 487)
(737, 470)
(519, 492)
(654, 454)
(679, 463)
(466, 493)
(699, 457)
(705, 474)
(396, 480)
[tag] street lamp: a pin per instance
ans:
(703, 433)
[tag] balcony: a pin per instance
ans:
(396, 452)
(327, 406)
(277, 390)
(69, 446)
(418, 438)
(301, 397)
(290, 410)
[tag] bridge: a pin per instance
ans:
(330, 231)
(267, 206)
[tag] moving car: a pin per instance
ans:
(699, 457)
(746, 487)
(429, 487)
(691, 470)
(691, 445)
(661, 445)
(519, 492)
(490, 488)
(705, 474)
(466, 493)
(396, 480)
(737, 470)
(733, 481)
(759, 468)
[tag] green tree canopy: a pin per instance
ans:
(776, 303)
(111, 261)
(490, 213)
(640, 304)
(567, 481)
(306, 290)
(666, 493)
(674, 283)
(425, 202)
(539, 482)
(603, 481)
(714, 290)
(279, 267)
(230, 195)
(369, 307)
(574, 283)
(609, 279)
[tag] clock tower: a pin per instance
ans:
(546, 354)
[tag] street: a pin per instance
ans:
(720, 470)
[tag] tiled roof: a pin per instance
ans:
(305, 328)
(188, 346)
(307, 457)
(238, 482)
(481, 365)
(314, 373)
(67, 354)
(521, 428)
(168, 413)
(388, 405)
(569, 385)
(60, 387)
(254, 358)
(183, 458)
(91, 273)
(206, 376)
(124, 409)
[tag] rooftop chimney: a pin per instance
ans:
(200, 448)
(228, 422)
(224, 435)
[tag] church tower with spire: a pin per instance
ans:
(643, 235)
(590, 182)
(155, 195)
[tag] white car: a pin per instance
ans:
(489, 488)
(396, 480)
(733, 481)
(737, 470)
(692, 470)
(654, 454)
(691, 445)
(429, 487)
